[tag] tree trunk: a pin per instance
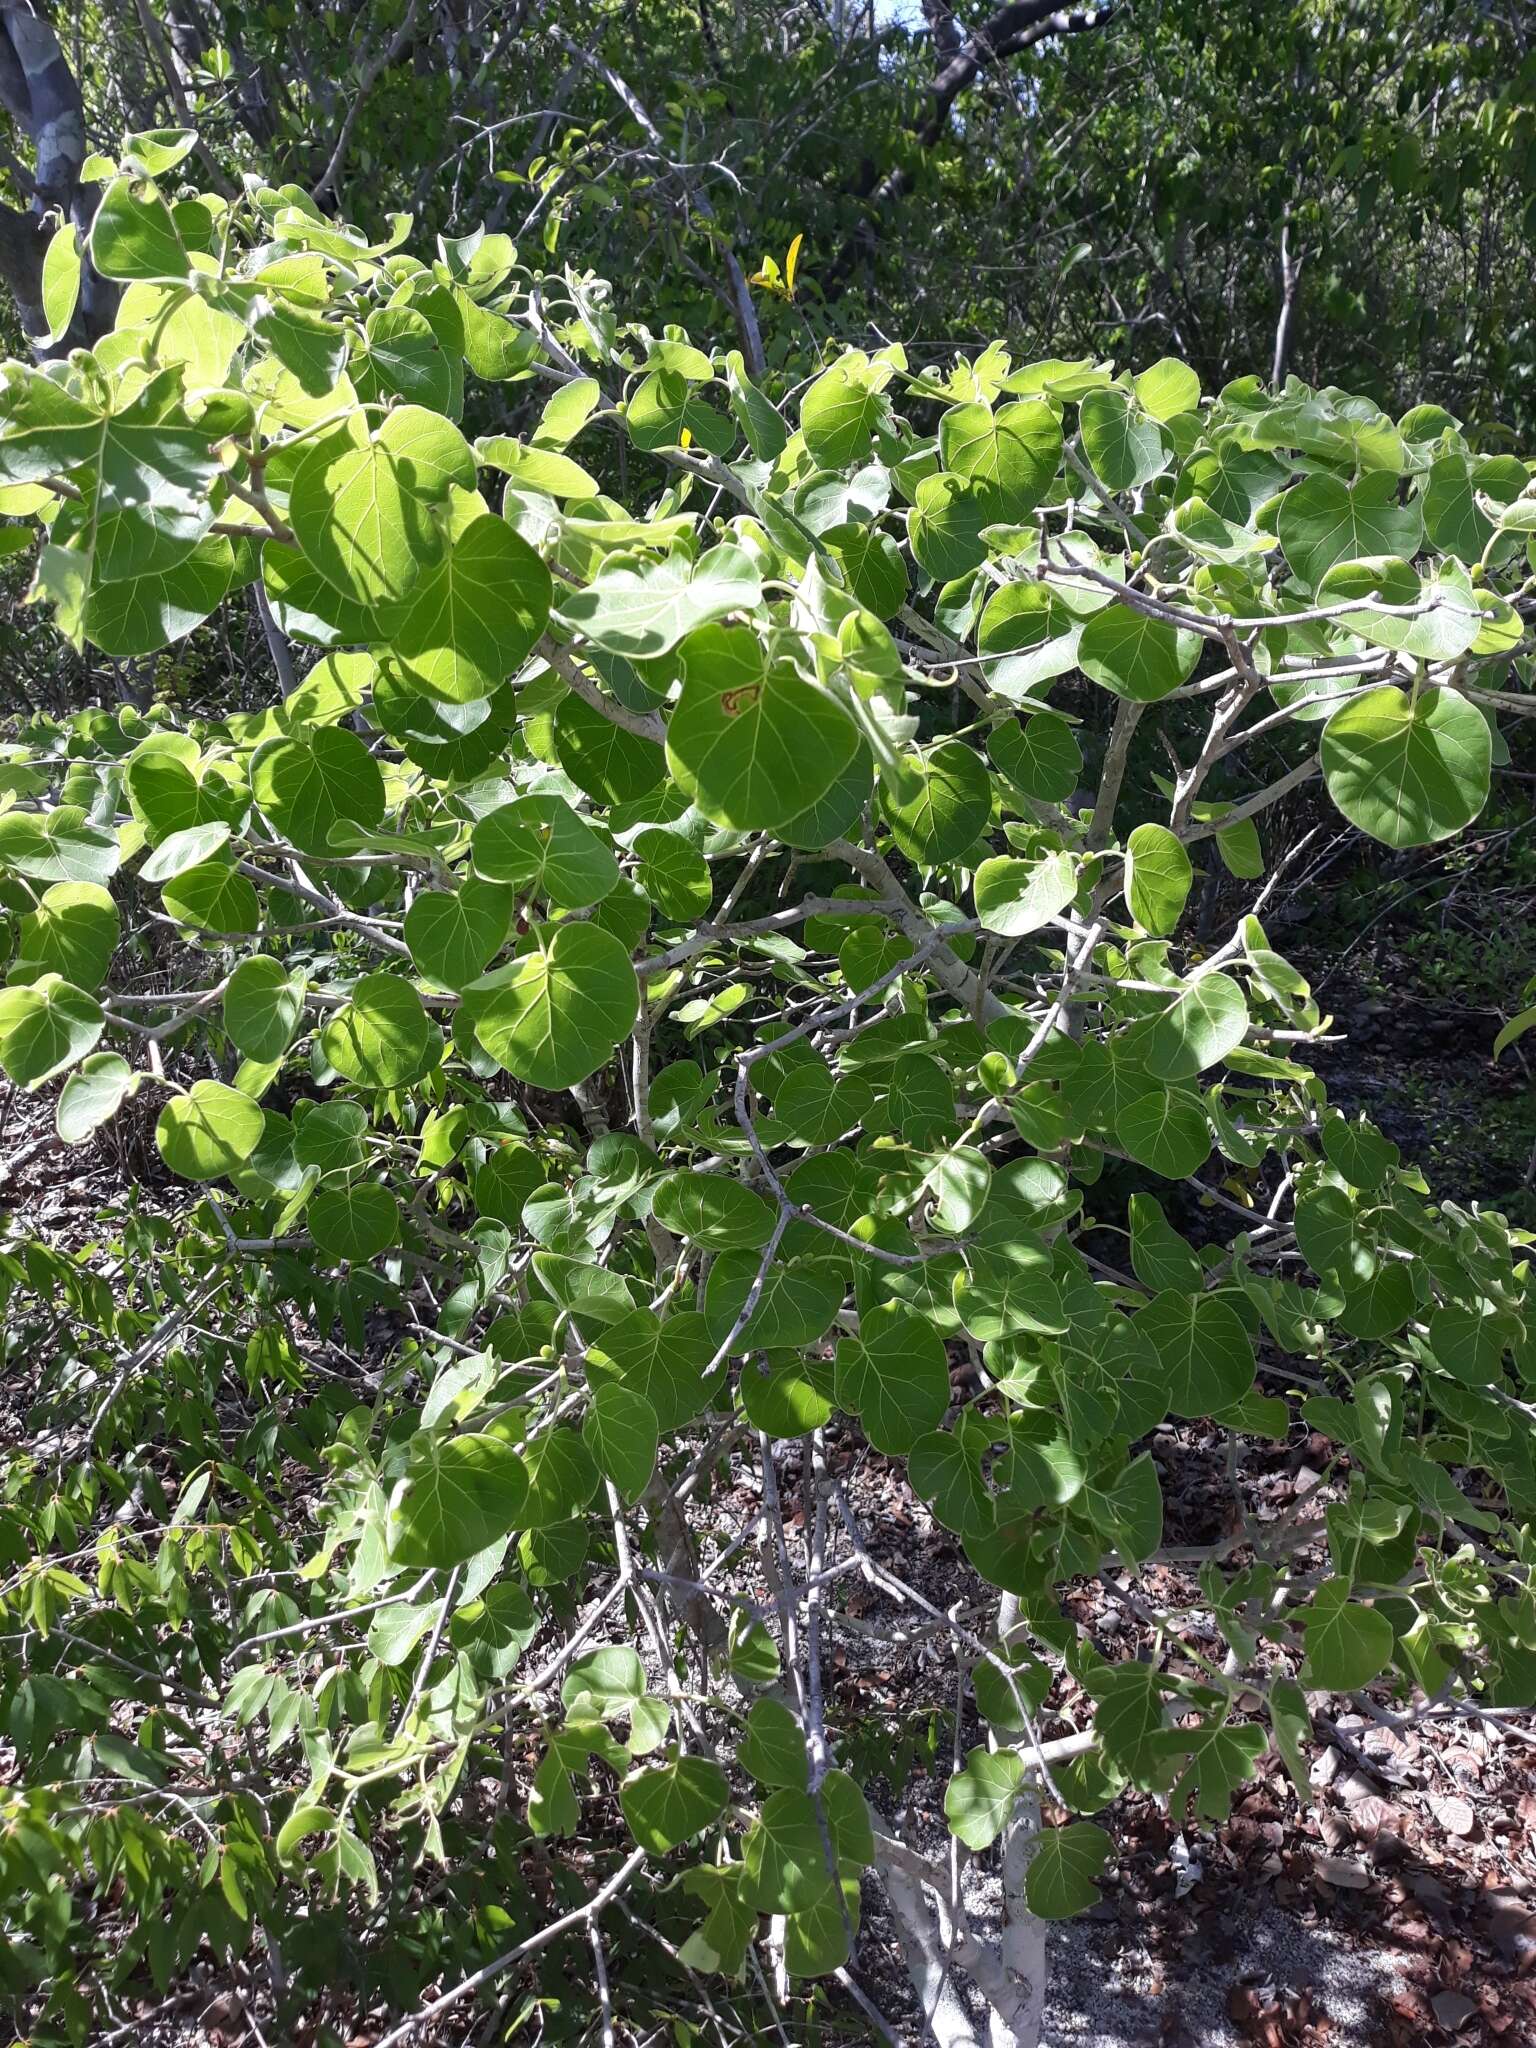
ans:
(41, 94)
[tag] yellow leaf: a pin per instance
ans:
(687, 439)
(790, 262)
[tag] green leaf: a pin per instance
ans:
(1292, 1724)
(64, 846)
(1347, 1644)
(472, 617)
(45, 1026)
(894, 1376)
(1015, 897)
(73, 933)
(838, 416)
(773, 1746)
(1166, 1129)
(557, 1012)
(1135, 656)
(945, 523)
(1122, 444)
(541, 847)
(752, 744)
(943, 805)
(562, 1478)
(713, 1210)
(407, 357)
(1220, 1757)
(1202, 1347)
(144, 613)
(1205, 1021)
(262, 1006)
(621, 1433)
(1130, 1715)
(1167, 387)
(61, 281)
(666, 406)
(612, 766)
(1060, 1879)
(673, 873)
(1039, 756)
(92, 1096)
(384, 1037)
(356, 1221)
(1358, 1151)
(607, 1683)
(661, 1359)
(536, 469)
(1158, 874)
(1323, 520)
(362, 511)
(1443, 632)
(1160, 1258)
(816, 1940)
(643, 609)
(1408, 771)
(979, 1798)
(133, 234)
(1009, 456)
(458, 1497)
(213, 897)
(306, 785)
(785, 1868)
(796, 1305)
(945, 1467)
(1008, 1289)
(454, 934)
(209, 1131)
(667, 1807)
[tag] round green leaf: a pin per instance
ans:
(665, 1808)
(209, 1131)
(454, 934)
(45, 1026)
(613, 766)
(713, 1210)
(1135, 656)
(362, 509)
(1202, 1347)
(1158, 874)
(355, 1221)
(457, 1499)
(752, 745)
(92, 1095)
(943, 812)
(473, 616)
(1323, 520)
(621, 1433)
(540, 846)
(1019, 896)
(1010, 456)
(1408, 771)
(309, 783)
(384, 1037)
(72, 933)
(1166, 1129)
(262, 1006)
(1039, 756)
(557, 1012)
(894, 1376)
(1121, 442)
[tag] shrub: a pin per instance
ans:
(664, 986)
